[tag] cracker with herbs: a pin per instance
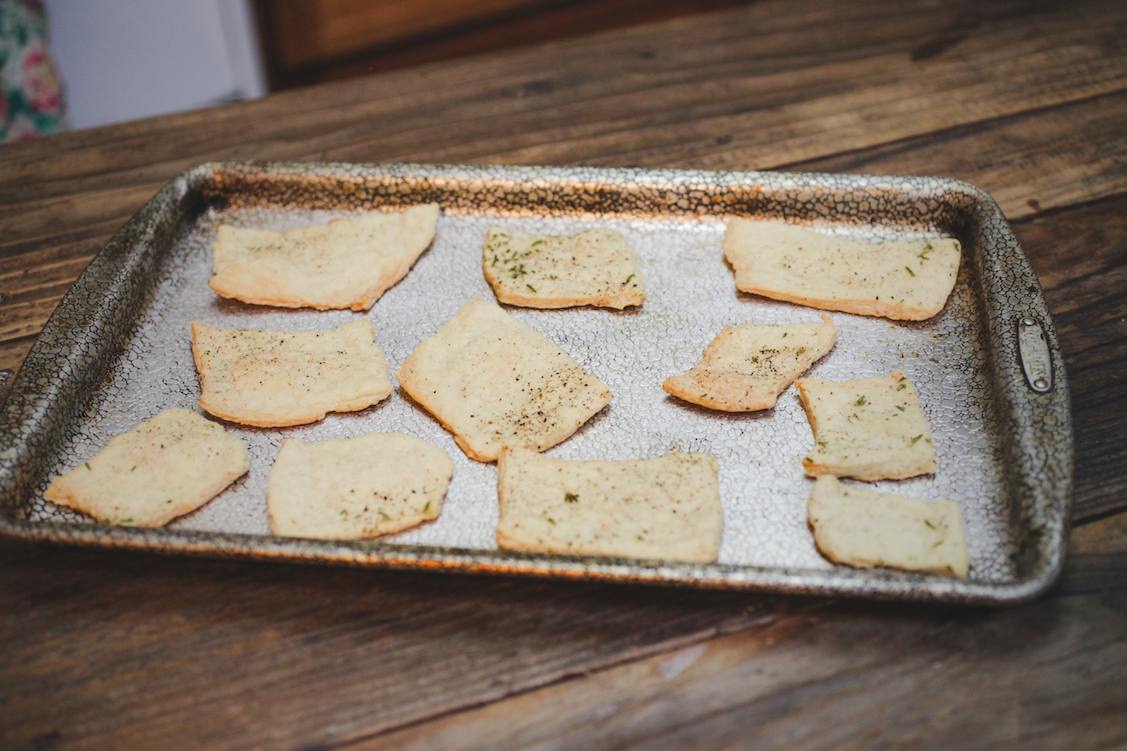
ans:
(494, 382)
(166, 467)
(278, 378)
(907, 280)
(869, 429)
(659, 509)
(356, 488)
(596, 267)
(861, 527)
(345, 264)
(746, 367)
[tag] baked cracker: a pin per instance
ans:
(661, 509)
(596, 267)
(277, 378)
(860, 527)
(869, 429)
(355, 488)
(747, 366)
(494, 382)
(906, 280)
(345, 264)
(166, 467)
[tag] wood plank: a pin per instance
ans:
(1106, 536)
(771, 104)
(132, 650)
(26, 318)
(1030, 162)
(1078, 256)
(791, 85)
(844, 676)
(111, 649)
(12, 353)
(298, 656)
(64, 208)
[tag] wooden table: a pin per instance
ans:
(1027, 100)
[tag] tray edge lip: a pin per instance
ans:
(617, 174)
(895, 586)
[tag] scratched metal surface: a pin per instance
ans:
(690, 296)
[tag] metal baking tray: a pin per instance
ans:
(116, 351)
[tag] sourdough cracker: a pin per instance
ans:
(906, 280)
(356, 488)
(596, 267)
(660, 509)
(494, 382)
(869, 429)
(345, 264)
(861, 527)
(279, 378)
(747, 366)
(166, 467)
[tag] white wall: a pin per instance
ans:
(125, 59)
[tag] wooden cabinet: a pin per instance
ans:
(308, 32)
(307, 41)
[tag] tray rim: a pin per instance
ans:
(1049, 501)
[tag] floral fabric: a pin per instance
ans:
(30, 98)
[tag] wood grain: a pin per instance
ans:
(787, 83)
(758, 94)
(842, 676)
(132, 650)
(1033, 162)
(13, 351)
(111, 649)
(1107, 537)
(311, 31)
(359, 652)
(1079, 256)
(311, 41)
(305, 657)
(538, 22)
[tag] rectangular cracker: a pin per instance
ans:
(166, 467)
(906, 280)
(860, 527)
(596, 267)
(273, 379)
(869, 429)
(493, 382)
(347, 263)
(356, 488)
(746, 366)
(661, 509)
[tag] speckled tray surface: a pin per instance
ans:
(117, 351)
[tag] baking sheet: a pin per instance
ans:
(691, 295)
